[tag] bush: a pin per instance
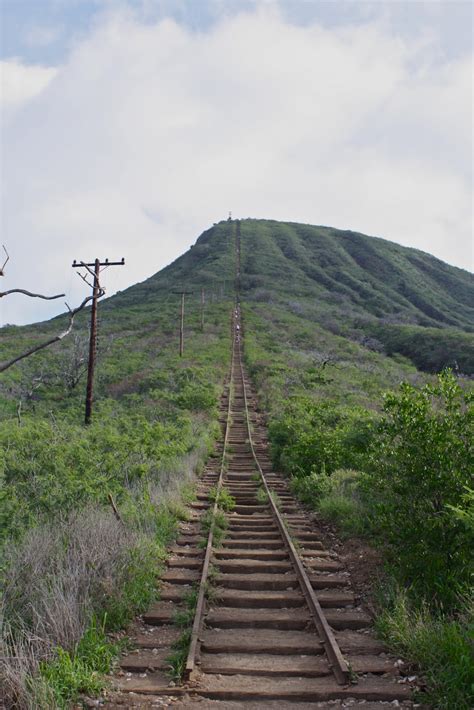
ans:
(441, 648)
(310, 488)
(47, 468)
(343, 502)
(430, 349)
(421, 463)
(337, 497)
(320, 437)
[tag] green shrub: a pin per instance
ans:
(48, 468)
(421, 462)
(430, 349)
(137, 588)
(337, 497)
(310, 488)
(343, 502)
(320, 437)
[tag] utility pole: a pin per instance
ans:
(181, 326)
(202, 310)
(97, 291)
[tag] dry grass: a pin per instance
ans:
(58, 577)
(60, 571)
(21, 654)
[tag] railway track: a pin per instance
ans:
(276, 623)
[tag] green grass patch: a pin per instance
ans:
(217, 522)
(224, 499)
(440, 646)
(71, 674)
(178, 657)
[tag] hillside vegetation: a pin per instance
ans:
(333, 320)
(71, 570)
(344, 335)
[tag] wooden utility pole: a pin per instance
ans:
(181, 326)
(96, 293)
(202, 310)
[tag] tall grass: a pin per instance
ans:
(441, 647)
(57, 579)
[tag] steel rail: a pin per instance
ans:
(201, 600)
(337, 662)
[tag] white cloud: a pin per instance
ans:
(149, 133)
(20, 82)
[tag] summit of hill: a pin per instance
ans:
(387, 297)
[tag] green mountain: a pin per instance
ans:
(332, 321)
(386, 296)
(339, 279)
(331, 293)
(349, 274)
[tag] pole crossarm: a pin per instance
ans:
(78, 264)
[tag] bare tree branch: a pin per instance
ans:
(92, 273)
(28, 293)
(22, 290)
(81, 276)
(2, 270)
(57, 338)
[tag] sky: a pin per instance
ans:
(128, 127)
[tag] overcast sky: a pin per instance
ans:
(129, 127)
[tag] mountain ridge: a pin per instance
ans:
(334, 271)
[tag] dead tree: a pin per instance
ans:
(51, 341)
(72, 314)
(22, 290)
(28, 293)
(72, 365)
(2, 270)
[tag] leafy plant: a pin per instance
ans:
(217, 522)
(441, 647)
(177, 659)
(224, 499)
(421, 463)
(73, 673)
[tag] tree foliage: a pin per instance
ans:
(422, 460)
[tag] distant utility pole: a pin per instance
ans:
(97, 291)
(181, 326)
(202, 309)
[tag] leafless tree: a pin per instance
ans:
(2, 270)
(72, 314)
(73, 362)
(22, 290)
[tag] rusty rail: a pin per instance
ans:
(337, 662)
(201, 600)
